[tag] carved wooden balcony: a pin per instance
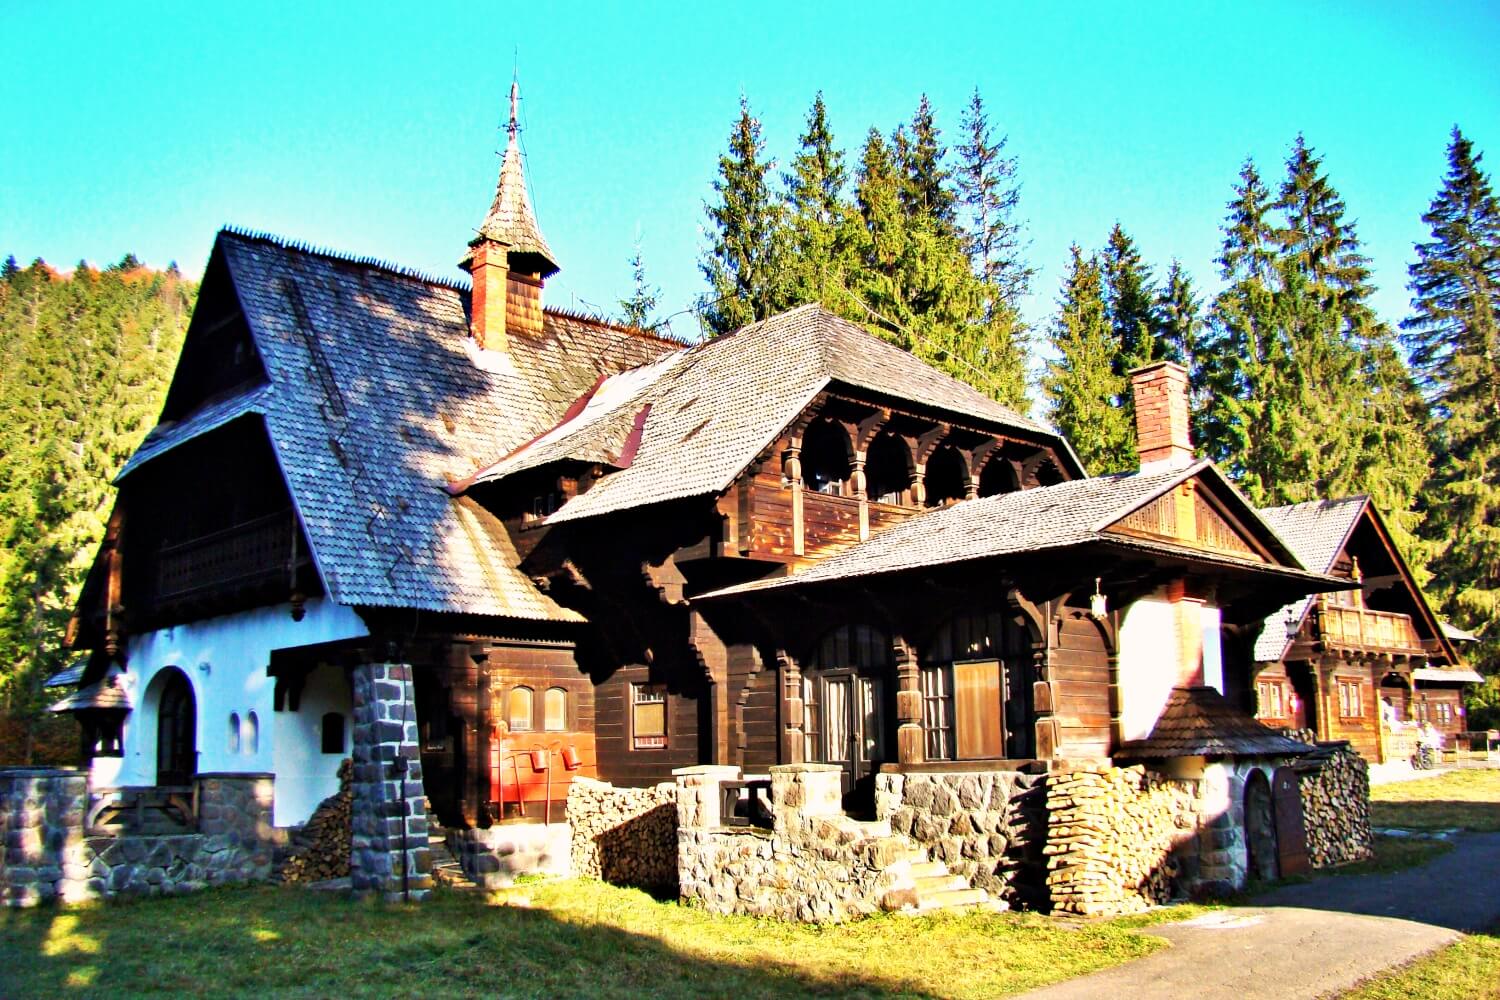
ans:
(1373, 631)
(243, 555)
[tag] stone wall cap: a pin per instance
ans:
(714, 769)
(805, 768)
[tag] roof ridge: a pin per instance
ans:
(343, 257)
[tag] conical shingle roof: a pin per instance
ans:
(510, 220)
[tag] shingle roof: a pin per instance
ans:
(1048, 518)
(1200, 722)
(1316, 530)
(510, 219)
(715, 406)
(408, 403)
(107, 693)
(69, 675)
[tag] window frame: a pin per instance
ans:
(1351, 693)
(644, 695)
(510, 721)
(566, 713)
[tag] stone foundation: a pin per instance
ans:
(988, 826)
(46, 857)
(388, 851)
(625, 836)
(493, 858)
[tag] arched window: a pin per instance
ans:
(1048, 474)
(976, 690)
(947, 477)
(555, 710)
(888, 468)
(825, 458)
(518, 709)
(234, 732)
(252, 734)
(998, 476)
(333, 732)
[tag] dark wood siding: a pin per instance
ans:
(754, 705)
(541, 667)
(829, 523)
(1362, 732)
(619, 761)
(1079, 669)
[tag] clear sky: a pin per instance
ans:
(372, 128)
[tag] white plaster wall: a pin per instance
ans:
(225, 659)
(305, 775)
(1149, 651)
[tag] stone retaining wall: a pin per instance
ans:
(493, 858)
(988, 826)
(626, 836)
(45, 856)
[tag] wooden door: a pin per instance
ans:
(176, 732)
(1291, 834)
(851, 716)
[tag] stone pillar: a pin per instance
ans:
(699, 803)
(389, 851)
(910, 742)
(802, 792)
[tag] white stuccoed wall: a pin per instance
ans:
(225, 659)
(1148, 661)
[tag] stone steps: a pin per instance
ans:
(933, 887)
(928, 884)
(446, 870)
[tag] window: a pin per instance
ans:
(648, 716)
(518, 710)
(1444, 713)
(234, 732)
(825, 458)
(555, 710)
(252, 734)
(810, 730)
(1351, 701)
(333, 733)
(542, 505)
(937, 712)
(1269, 694)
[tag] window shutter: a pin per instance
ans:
(976, 701)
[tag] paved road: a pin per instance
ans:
(1314, 939)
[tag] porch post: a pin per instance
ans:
(388, 851)
(910, 746)
(791, 471)
(790, 677)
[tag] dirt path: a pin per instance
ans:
(1314, 939)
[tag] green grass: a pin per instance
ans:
(567, 938)
(1467, 970)
(1467, 799)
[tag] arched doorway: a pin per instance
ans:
(176, 730)
(1260, 827)
(845, 711)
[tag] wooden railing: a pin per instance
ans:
(1362, 629)
(249, 552)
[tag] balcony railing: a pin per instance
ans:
(1359, 628)
(246, 553)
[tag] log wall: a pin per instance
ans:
(618, 761)
(1079, 670)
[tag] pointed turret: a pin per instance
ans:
(509, 258)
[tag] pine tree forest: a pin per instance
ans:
(84, 364)
(1298, 390)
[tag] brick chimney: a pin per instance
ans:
(1163, 437)
(509, 259)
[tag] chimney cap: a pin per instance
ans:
(1146, 369)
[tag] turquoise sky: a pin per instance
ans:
(372, 128)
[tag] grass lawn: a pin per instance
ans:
(1469, 799)
(565, 938)
(1467, 970)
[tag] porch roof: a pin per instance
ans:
(104, 694)
(1200, 722)
(1447, 676)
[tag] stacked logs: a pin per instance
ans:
(1335, 786)
(320, 850)
(1110, 839)
(625, 836)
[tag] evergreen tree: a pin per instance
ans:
(1081, 385)
(639, 310)
(1180, 311)
(11, 268)
(925, 191)
(988, 193)
(1314, 237)
(817, 215)
(1453, 334)
(743, 261)
(1130, 298)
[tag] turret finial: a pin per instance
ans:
(515, 101)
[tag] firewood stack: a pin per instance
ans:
(320, 850)
(1110, 839)
(1335, 786)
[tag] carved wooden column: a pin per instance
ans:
(791, 473)
(789, 675)
(910, 738)
(1043, 627)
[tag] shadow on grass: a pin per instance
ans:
(277, 942)
(1436, 814)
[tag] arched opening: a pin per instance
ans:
(555, 710)
(888, 469)
(947, 477)
(977, 690)
(1260, 827)
(518, 708)
(847, 705)
(234, 732)
(252, 734)
(998, 476)
(825, 458)
(1048, 474)
(176, 730)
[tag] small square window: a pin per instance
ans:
(648, 716)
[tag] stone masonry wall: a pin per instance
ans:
(988, 826)
(626, 836)
(46, 856)
(816, 865)
(493, 858)
(389, 852)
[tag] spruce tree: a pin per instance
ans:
(817, 216)
(639, 309)
(1179, 309)
(988, 194)
(1453, 334)
(925, 191)
(743, 261)
(1081, 385)
(1130, 297)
